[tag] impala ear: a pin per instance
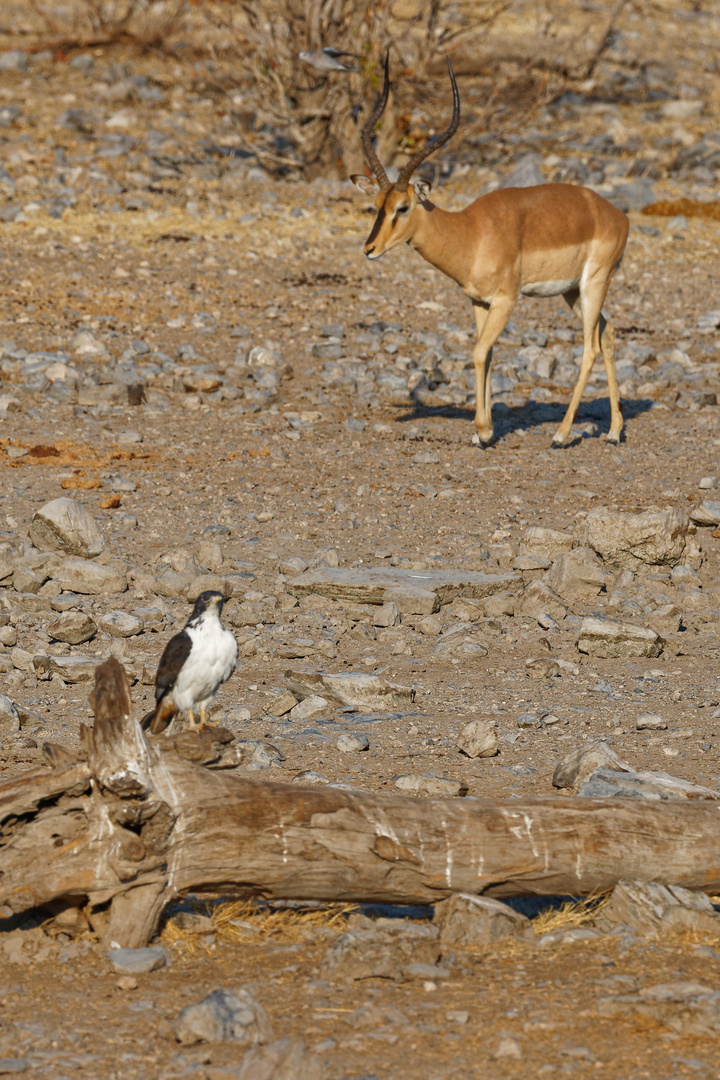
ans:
(422, 189)
(366, 184)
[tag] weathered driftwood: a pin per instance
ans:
(136, 824)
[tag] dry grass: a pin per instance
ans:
(571, 914)
(683, 208)
(244, 921)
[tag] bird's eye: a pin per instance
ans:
(402, 209)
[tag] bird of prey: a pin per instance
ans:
(327, 59)
(194, 664)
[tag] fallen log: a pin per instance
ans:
(140, 821)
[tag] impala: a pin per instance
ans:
(549, 240)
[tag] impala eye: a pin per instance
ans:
(402, 209)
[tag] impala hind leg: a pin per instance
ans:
(587, 306)
(607, 347)
(490, 322)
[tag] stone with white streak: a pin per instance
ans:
(608, 639)
(627, 541)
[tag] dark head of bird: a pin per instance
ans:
(207, 602)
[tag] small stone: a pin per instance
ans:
(457, 1016)
(127, 982)
(528, 720)
(478, 740)
(650, 722)
(138, 961)
(73, 627)
(707, 513)
(309, 776)
(282, 704)
(708, 483)
(354, 424)
(351, 743)
(387, 615)
(84, 344)
(508, 1048)
(9, 719)
(313, 705)
(66, 525)
(14, 60)
(430, 785)
(209, 554)
(224, 1015)
(121, 625)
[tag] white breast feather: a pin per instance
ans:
(211, 662)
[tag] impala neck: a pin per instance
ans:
(441, 237)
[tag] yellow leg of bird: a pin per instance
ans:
(203, 718)
(191, 718)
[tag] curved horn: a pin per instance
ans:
(372, 158)
(432, 144)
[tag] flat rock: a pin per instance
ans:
(626, 541)
(224, 1015)
(468, 920)
(138, 961)
(688, 1008)
(71, 669)
(120, 624)
(650, 722)
(371, 585)
(540, 599)
(283, 1059)
(544, 543)
(73, 627)
(313, 705)
(353, 688)
(478, 740)
(380, 950)
(430, 785)
(66, 525)
(606, 638)
(656, 786)
(88, 578)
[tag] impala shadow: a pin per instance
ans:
(533, 414)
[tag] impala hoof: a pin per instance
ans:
(613, 440)
(558, 444)
(477, 441)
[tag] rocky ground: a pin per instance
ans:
(202, 359)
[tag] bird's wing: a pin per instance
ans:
(174, 656)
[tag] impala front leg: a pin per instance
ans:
(490, 322)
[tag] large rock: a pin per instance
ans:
(467, 920)
(579, 763)
(608, 639)
(652, 908)
(224, 1015)
(576, 575)
(66, 525)
(88, 578)
(380, 584)
(626, 541)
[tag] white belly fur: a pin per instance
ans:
(548, 288)
(211, 662)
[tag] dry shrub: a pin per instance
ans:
(308, 120)
(83, 23)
